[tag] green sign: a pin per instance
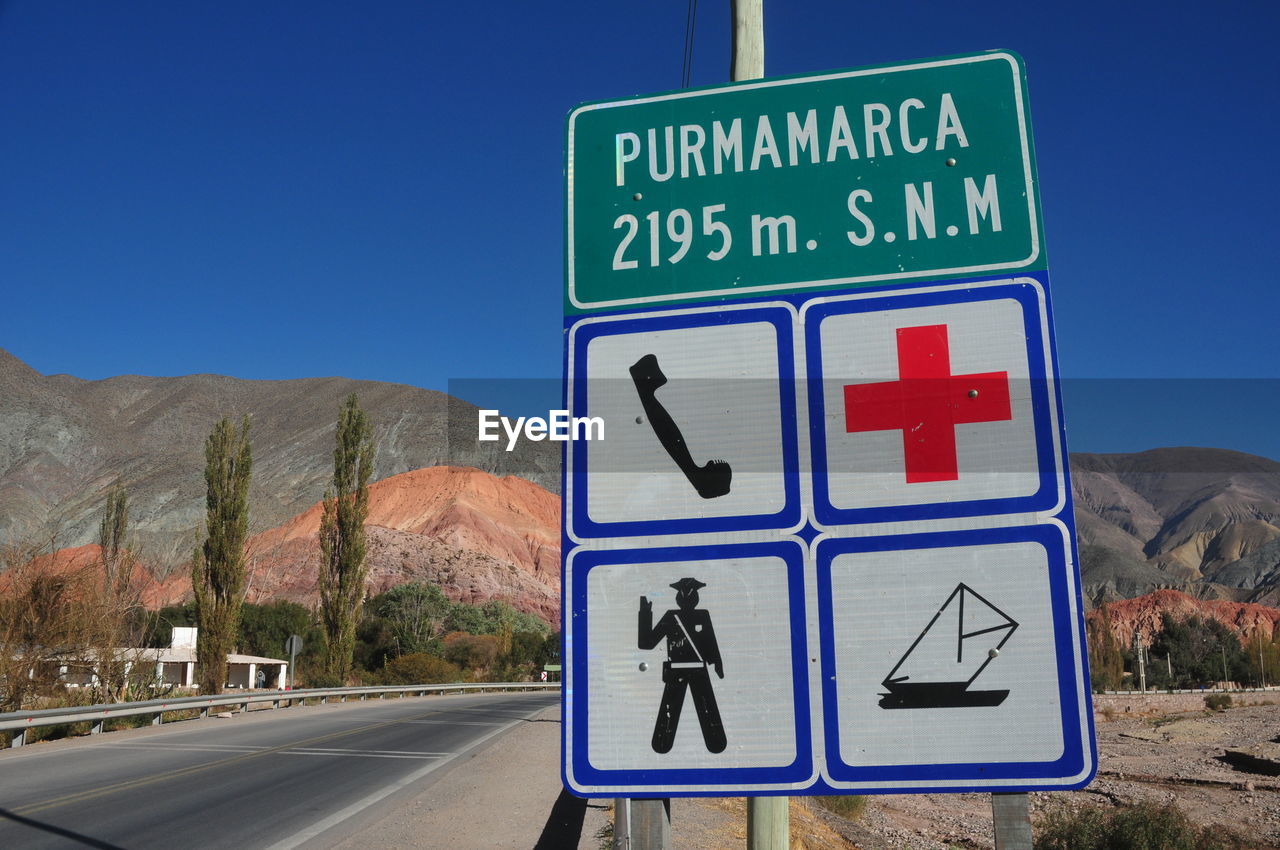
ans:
(842, 179)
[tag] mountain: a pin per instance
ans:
(1204, 521)
(64, 440)
(477, 536)
(1143, 615)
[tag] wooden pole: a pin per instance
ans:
(768, 823)
(651, 824)
(748, 40)
(768, 818)
(1011, 815)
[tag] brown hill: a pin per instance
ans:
(477, 536)
(1143, 615)
(85, 562)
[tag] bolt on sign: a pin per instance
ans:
(827, 545)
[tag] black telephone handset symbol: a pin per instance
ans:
(711, 480)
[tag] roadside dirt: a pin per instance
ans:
(1176, 758)
(1159, 757)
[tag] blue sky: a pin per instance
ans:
(284, 190)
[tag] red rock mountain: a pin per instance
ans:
(478, 536)
(86, 561)
(1143, 614)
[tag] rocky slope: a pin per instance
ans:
(1206, 521)
(477, 536)
(1143, 615)
(63, 440)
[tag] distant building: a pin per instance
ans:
(176, 665)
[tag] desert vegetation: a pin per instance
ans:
(1187, 652)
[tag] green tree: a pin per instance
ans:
(492, 618)
(115, 608)
(342, 540)
(265, 628)
(375, 644)
(1264, 657)
(417, 613)
(117, 565)
(218, 568)
(550, 650)
(158, 630)
(1197, 649)
(1106, 662)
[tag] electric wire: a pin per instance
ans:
(690, 26)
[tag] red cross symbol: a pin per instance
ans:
(926, 403)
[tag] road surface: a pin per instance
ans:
(270, 779)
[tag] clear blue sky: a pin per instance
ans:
(289, 189)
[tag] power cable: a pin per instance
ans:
(690, 26)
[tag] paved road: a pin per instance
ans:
(271, 779)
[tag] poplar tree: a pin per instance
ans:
(113, 611)
(111, 537)
(342, 540)
(218, 568)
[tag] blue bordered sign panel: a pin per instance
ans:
(727, 390)
(933, 402)
(953, 660)
(688, 670)
(896, 620)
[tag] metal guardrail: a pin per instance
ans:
(18, 722)
(1269, 689)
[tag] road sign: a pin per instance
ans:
(826, 544)
(851, 178)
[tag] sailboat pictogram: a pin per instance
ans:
(945, 659)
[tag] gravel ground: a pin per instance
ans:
(1159, 758)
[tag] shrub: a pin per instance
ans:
(473, 652)
(420, 668)
(1217, 702)
(1143, 826)
(847, 806)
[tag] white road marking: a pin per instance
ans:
(363, 803)
(455, 722)
(300, 751)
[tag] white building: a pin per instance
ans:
(176, 665)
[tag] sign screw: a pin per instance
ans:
(993, 652)
(637, 196)
(644, 665)
(973, 393)
(951, 163)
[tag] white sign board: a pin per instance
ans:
(825, 545)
